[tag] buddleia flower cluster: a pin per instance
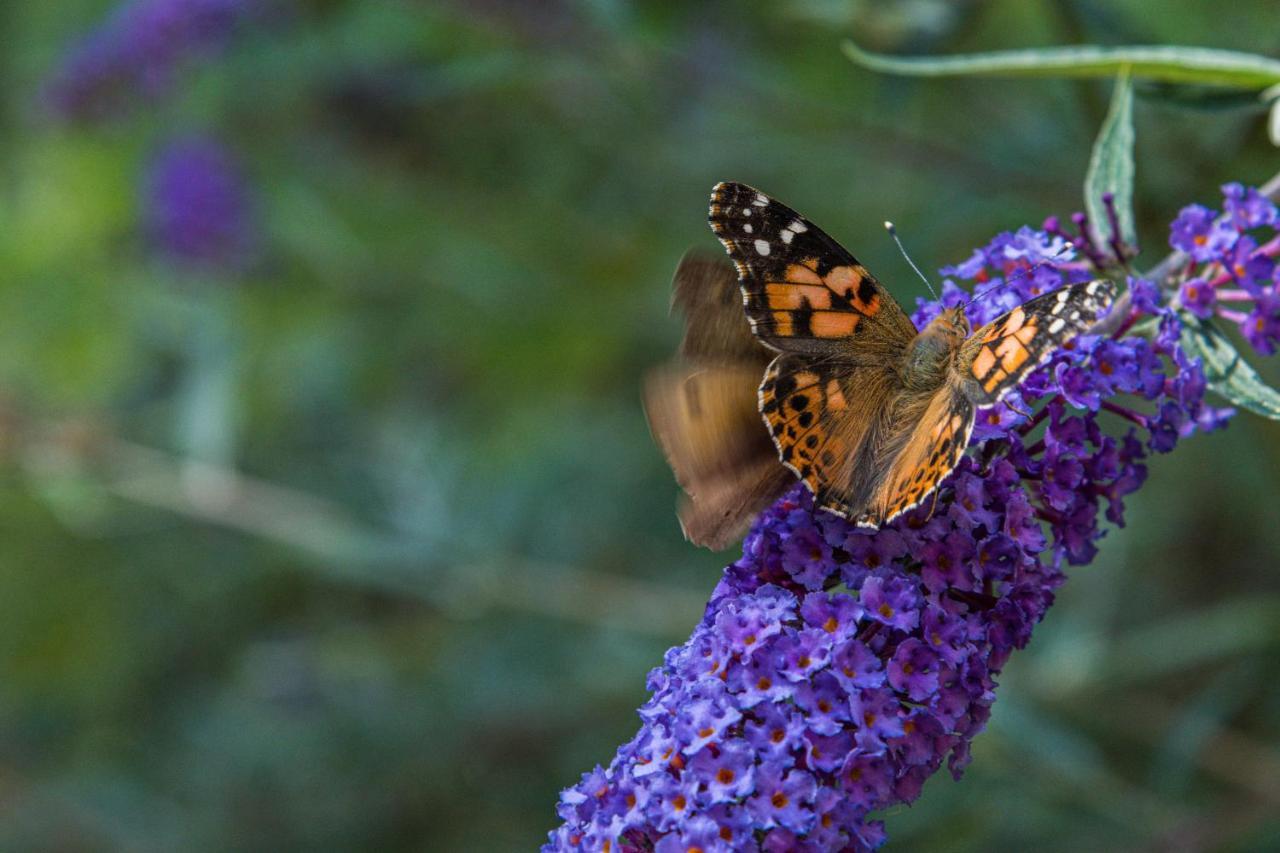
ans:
(137, 53)
(836, 668)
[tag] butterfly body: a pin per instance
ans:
(869, 412)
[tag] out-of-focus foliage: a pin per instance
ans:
(363, 543)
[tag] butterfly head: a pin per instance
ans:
(951, 323)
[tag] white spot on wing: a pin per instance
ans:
(762, 248)
(748, 228)
(1057, 326)
(787, 236)
(760, 200)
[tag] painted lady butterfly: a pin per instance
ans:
(869, 412)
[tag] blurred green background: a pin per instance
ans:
(362, 543)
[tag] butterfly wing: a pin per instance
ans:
(998, 356)
(705, 418)
(923, 453)
(705, 290)
(702, 408)
(827, 419)
(989, 363)
(802, 291)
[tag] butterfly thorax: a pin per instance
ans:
(925, 363)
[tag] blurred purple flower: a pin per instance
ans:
(888, 644)
(196, 206)
(137, 54)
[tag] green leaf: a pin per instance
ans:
(1111, 165)
(1272, 96)
(1226, 370)
(1167, 63)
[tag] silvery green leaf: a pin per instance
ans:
(1111, 165)
(1226, 371)
(1167, 63)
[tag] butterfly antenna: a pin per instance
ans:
(893, 232)
(1067, 246)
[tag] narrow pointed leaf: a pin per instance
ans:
(1228, 374)
(1166, 63)
(1111, 166)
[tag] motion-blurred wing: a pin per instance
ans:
(705, 418)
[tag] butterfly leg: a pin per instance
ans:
(933, 505)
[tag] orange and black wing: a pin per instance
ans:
(923, 457)
(827, 419)
(803, 292)
(1000, 354)
(990, 363)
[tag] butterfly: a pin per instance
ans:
(703, 410)
(868, 411)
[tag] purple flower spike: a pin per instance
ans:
(836, 669)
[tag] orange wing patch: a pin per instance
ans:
(1004, 349)
(804, 303)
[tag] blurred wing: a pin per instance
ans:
(705, 290)
(826, 421)
(706, 420)
(927, 454)
(803, 292)
(1000, 354)
(720, 516)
